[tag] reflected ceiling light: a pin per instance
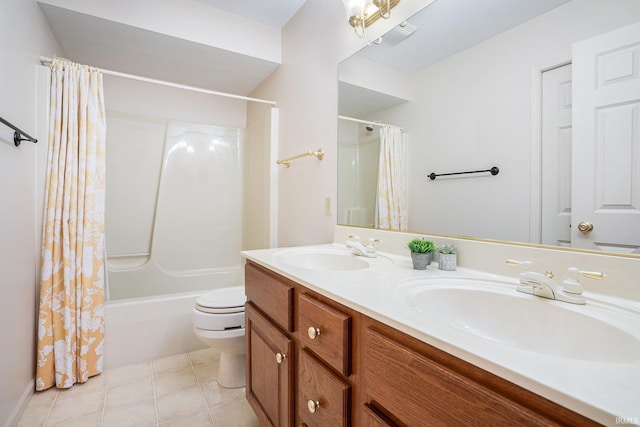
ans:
(363, 13)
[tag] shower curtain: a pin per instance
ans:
(392, 200)
(71, 315)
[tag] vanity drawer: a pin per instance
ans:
(272, 294)
(326, 331)
(324, 399)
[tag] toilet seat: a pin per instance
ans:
(225, 300)
(220, 310)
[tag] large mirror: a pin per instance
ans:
(547, 91)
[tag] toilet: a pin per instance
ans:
(218, 321)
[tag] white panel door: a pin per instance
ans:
(556, 157)
(606, 141)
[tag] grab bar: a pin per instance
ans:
(17, 135)
(287, 162)
(494, 171)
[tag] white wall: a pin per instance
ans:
(472, 111)
(305, 87)
(24, 36)
(186, 19)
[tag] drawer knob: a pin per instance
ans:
(280, 357)
(313, 406)
(313, 332)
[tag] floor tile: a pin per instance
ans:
(76, 407)
(135, 414)
(215, 394)
(204, 356)
(127, 394)
(186, 402)
(173, 391)
(95, 384)
(89, 420)
(234, 413)
(206, 373)
(130, 373)
(172, 382)
(38, 408)
(202, 419)
(171, 363)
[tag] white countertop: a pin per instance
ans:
(598, 390)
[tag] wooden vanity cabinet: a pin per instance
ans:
(406, 382)
(314, 362)
(316, 335)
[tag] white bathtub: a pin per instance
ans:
(140, 329)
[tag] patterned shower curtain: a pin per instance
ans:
(71, 315)
(392, 198)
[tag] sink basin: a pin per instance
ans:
(323, 259)
(498, 312)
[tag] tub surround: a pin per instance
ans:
(599, 391)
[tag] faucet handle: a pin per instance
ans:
(371, 246)
(572, 283)
(354, 238)
(516, 263)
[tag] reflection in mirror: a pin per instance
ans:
(507, 83)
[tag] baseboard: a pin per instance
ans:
(21, 406)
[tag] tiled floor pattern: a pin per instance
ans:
(174, 391)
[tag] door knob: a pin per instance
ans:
(280, 357)
(585, 227)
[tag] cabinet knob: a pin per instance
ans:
(313, 406)
(280, 357)
(313, 332)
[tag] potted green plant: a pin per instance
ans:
(447, 257)
(421, 252)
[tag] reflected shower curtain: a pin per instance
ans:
(71, 315)
(392, 198)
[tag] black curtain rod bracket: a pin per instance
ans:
(18, 134)
(494, 171)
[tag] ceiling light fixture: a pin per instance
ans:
(363, 13)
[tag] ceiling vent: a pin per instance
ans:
(399, 33)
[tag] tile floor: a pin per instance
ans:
(174, 391)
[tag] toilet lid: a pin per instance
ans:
(232, 299)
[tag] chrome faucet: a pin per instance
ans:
(543, 285)
(357, 248)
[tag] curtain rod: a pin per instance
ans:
(366, 122)
(44, 60)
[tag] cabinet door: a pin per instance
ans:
(270, 375)
(417, 391)
(324, 399)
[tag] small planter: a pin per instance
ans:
(421, 260)
(447, 262)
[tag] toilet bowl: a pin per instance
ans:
(218, 321)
